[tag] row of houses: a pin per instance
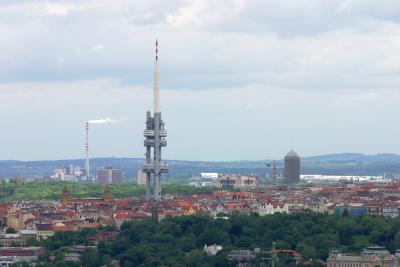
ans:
(47, 217)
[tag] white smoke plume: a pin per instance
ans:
(104, 121)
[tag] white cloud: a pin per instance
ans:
(97, 47)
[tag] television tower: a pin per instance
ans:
(155, 138)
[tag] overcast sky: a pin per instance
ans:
(239, 79)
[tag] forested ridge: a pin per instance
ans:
(333, 164)
(179, 241)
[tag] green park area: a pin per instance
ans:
(52, 190)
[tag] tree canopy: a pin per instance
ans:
(179, 241)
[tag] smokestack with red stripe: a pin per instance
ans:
(87, 166)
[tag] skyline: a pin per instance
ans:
(316, 77)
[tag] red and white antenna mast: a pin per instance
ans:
(156, 78)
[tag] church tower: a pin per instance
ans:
(66, 195)
(107, 197)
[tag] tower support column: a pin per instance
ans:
(157, 156)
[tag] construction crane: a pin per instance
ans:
(274, 174)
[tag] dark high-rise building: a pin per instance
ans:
(291, 170)
(109, 175)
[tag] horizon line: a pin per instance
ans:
(266, 159)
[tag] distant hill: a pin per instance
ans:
(340, 164)
(354, 157)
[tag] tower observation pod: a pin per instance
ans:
(155, 138)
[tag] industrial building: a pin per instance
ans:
(224, 180)
(205, 179)
(319, 178)
(10, 256)
(369, 257)
(236, 181)
(70, 173)
(109, 175)
(291, 171)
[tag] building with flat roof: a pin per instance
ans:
(109, 175)
(369, 257)
(74, 253)
(236, 181)
(12, 255)
(243, 255)
(209, 175)
(141, 178)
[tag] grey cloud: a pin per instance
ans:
(287, 18)
(199, 47)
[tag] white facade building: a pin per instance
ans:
(341, 178)
(272, 208)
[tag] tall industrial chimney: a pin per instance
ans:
(87, 166)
